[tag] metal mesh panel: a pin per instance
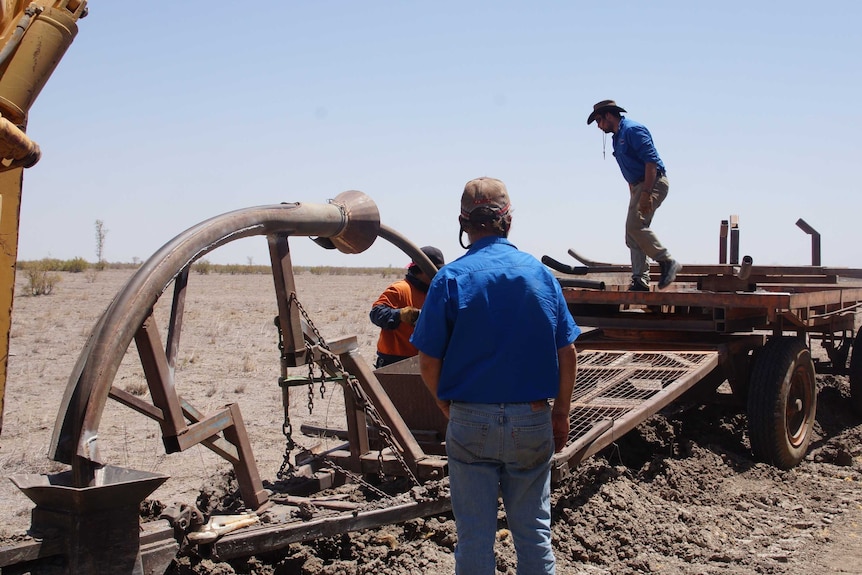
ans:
(610, 384)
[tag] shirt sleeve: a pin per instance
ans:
(385, 317)
(640, 142)
(567, 330)
(384, 311)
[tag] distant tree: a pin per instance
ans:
(101, 232)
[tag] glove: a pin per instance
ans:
(409, 315)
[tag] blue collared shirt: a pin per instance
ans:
(633, 149)
(496, 317)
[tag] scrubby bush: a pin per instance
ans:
(45, 264)
(75, 266)
(41, 279)
(203, 267)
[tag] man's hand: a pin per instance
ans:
(560, 425)
(409, 315)
(645, 203)
(444, 404)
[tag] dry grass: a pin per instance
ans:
(138, 388)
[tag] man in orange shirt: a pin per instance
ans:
(396, 310)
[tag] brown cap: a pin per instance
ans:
(485, 192)
(603, 106)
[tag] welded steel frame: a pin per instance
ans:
(350, 221)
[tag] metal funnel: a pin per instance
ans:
(114, 487)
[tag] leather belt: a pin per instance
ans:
(658, 174)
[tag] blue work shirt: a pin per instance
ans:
(633, 149)
(496, 316)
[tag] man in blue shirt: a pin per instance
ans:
(496, 341)
(646, 175)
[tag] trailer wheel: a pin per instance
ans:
(782, 402)
(856, 373)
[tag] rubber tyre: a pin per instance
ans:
(855, 373)
(782, 402)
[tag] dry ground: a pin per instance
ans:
(680, 495)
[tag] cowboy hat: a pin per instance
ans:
(601, 107)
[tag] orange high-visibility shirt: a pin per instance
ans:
(397, 341)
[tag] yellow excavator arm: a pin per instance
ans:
(34, 36)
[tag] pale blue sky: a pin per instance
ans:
(163, 114)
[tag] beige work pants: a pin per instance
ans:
(640, 239)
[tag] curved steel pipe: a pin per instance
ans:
(351, 221)
(401, 242)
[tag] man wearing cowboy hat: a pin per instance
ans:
(646, 175)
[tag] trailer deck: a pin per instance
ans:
(755, 323)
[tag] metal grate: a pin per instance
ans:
(610, 384)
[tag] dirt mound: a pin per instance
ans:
(680, 494)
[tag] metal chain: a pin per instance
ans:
(385, 432)
(287, 428)
(359, 394)
(310, 384)
(286, 466)
(293, 299)
(357, 478)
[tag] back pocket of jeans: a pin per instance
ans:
(465, 440)
(534, 444)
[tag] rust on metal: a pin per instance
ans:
(616, 390)
(815, 240)
(280, 534)
(293, 351)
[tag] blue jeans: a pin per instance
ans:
(501, 448)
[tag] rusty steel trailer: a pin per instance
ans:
(742, 324)
(752, 326)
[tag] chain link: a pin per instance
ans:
(286, 466)
(359, 395)
(309, 349)
(357, 478)
(385, 432)
(287, 428)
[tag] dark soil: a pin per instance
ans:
(680, 495)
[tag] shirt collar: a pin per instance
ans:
(416, 282)
(623, 124)
(489, 241)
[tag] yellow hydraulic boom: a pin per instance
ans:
(33, 38)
